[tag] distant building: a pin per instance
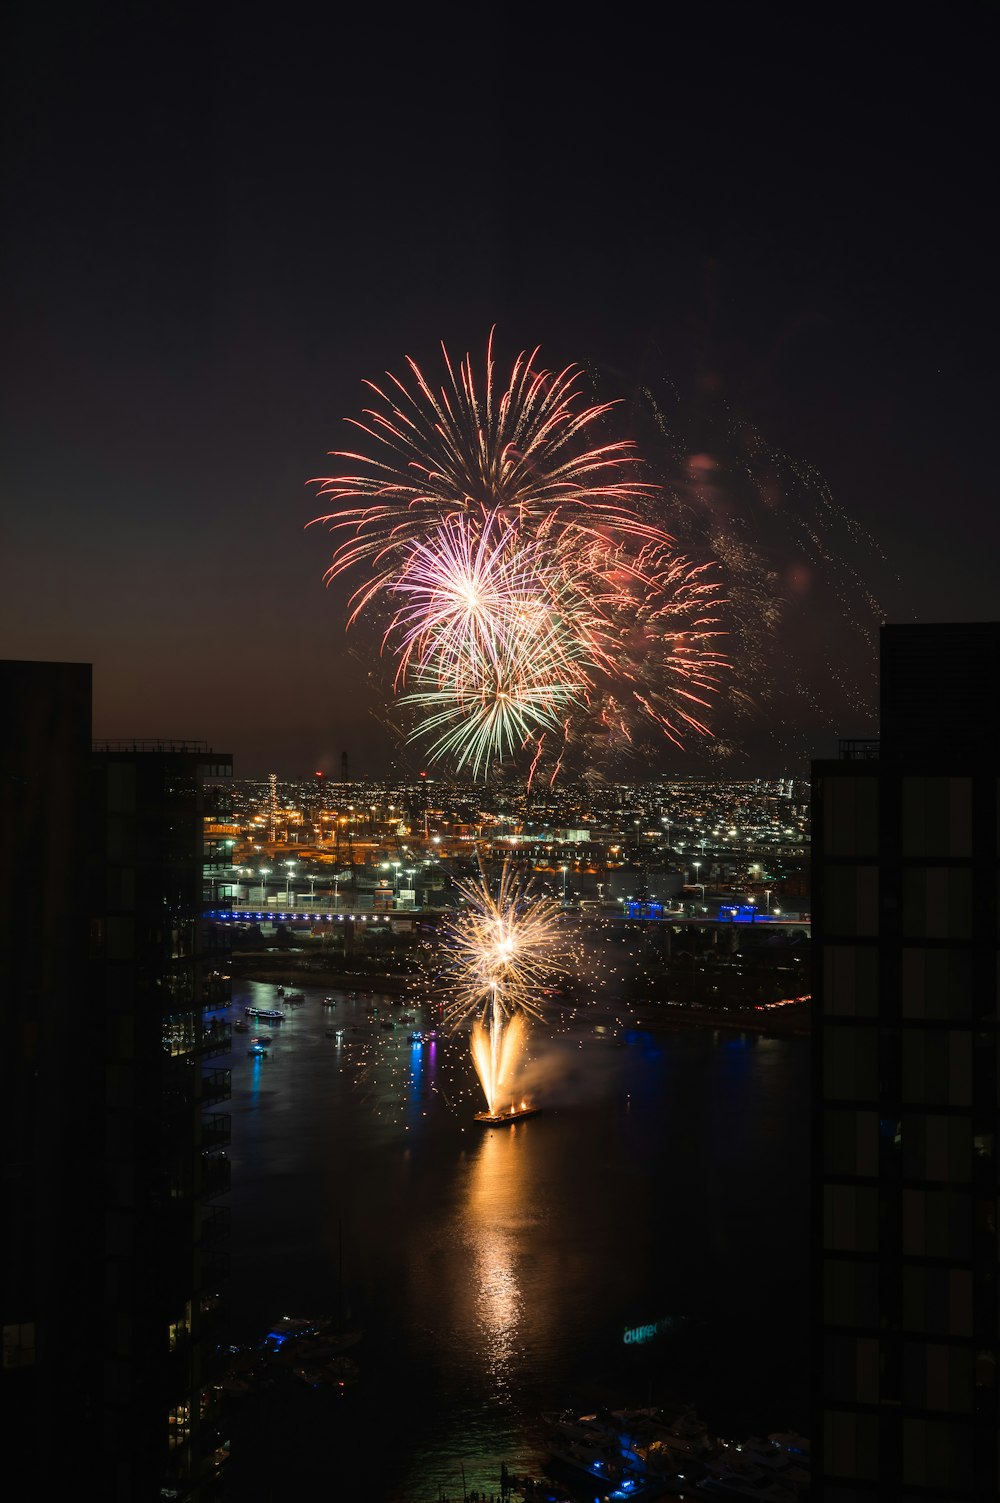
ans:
(115, 1149)
(905, 1129)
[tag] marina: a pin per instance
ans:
(599, 1256)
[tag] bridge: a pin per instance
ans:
(732, 918)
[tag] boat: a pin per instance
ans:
(722, 1482)
(338, 1372)
(290, 1327)
(578, 1450)
(503, 1119)
(294, 997)
(775, 1461)
(240, 1026)
(265, 1012)
(280, 990)
(681, 1429)
(257, 1051)
(313, 1344)
(329, 1001)
(262, 1038)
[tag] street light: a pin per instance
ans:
(767, 900)
(564, 869)
(265, 872)
(288, 881)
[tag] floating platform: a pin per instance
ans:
(501, 1119)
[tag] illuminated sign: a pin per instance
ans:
(639, 1335)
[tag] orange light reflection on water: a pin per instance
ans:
(494, 1214)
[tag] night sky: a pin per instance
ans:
(219, 220)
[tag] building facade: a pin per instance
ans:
(113, 981)
(159, 978)
(905, 1089)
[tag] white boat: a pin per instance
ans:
(732, 1475)
(682, 1430)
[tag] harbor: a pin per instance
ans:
(597, 1256)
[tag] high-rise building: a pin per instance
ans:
(159, 968)
(52, 1093)
(905, 1145)
(113, 978)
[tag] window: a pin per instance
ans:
(850, 1063)
(937, 1300)
(937, 816)
(937, 902)
(850, 1143)
(850, 1292)
(937, 1453)
(851, 900)
(937, 1066)
(937, 1147)
(937, 983)
(936, 1224)
(850, 1368)
(850, 980)
(850, 816)
(850, 1444)
(178, 1426)
(850, 1218)
(19, 1344)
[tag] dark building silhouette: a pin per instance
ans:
(905, 892)
(112, 1314)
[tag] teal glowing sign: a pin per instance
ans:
(639, 1335)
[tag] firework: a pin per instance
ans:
(502, 949)
(523, 451)
(524, 593)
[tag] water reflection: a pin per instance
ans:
(493, 1211)
(495, 1270)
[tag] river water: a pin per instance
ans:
(496, 1273)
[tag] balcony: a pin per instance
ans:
(858, 750)
(216, 1175)
(216, 1131)
(215, 1267)
(215, 1086)
(217, 1038)
(215, 1227)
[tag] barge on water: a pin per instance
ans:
(501, 1119)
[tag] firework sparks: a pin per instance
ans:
(523, 592)
(523, 451)
(502, 949)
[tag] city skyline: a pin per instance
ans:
(791, 262)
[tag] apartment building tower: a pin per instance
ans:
(112, 981)
(906, 847)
